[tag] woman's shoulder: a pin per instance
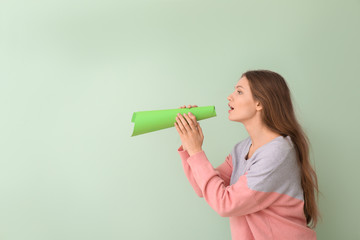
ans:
(239, 146)
(275, 149)
(278, 146)
(276, 153)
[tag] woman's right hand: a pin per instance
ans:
(189, 106)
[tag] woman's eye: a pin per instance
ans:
(239, 91)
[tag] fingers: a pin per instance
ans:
(186, 123)
(191, 119)
(178, 127)
(183, 125)
(189, 106)
(200, 131)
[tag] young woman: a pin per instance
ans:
(266, 185)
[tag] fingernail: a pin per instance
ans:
(190, 113)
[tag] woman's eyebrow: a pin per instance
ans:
(239, 87)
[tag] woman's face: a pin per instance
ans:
(242, 102)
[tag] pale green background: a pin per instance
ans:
(73, 72)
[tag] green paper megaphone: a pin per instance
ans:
(149, 121)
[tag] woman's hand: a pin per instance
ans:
(190, 132)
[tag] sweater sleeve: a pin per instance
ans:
(224, 170)
(237, 199)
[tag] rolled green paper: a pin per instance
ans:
(149, 121)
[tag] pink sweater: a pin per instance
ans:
(262, 196)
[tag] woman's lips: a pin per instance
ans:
(231, 108)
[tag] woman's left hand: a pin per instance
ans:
(190, 132)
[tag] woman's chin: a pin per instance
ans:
(231, 118)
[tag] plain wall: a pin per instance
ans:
(73, 72)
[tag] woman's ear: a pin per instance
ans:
(258, 106)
